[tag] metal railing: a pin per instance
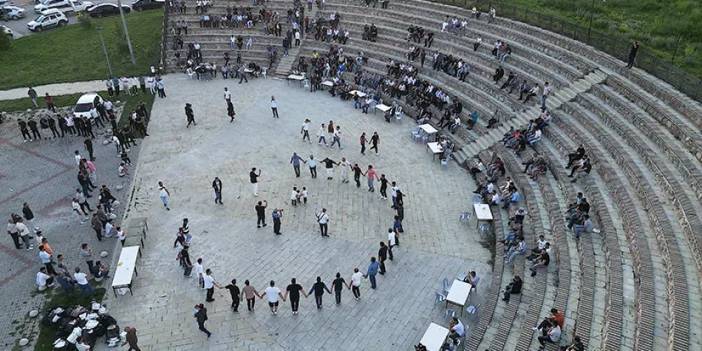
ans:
(613, 43)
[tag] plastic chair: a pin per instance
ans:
(439, 298)
(446, 285)
(449, 314)
(472, 311)
(464, 217)
(444, 163)
(264, 72)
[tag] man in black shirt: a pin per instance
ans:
(261, 213)
(383, 187)
(89, 146)
(338, 285)
(329, 166)
(33, 126)
(319, 287)
(190, 115)
(294, 289)
(217, 187)
(235, 292)
(253, 177)
(357, 172)
(52, 125)
(23, 128)
(382, 256)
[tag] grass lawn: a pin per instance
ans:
(658, 25)
(130, 103)
(73, 53)
(47, 334)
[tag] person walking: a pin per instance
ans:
(82, 201)
(319, 288)
(320, 135)
(323, 220)
(338, 286)
(632, 55)
(201, 318)
(210, 283)
(372, 271)
(25, 131)
(190, 115)
(336, 138)
(33, 95)
(272, 293)
(312, 164)
(261, 213)
(295, 161)
(24, 234)
(375, 140)
(253, 178)
(392, 241)
(97, 225)
(250, 294)
(356, 283)
(305, 130)
(372, 177)
(345, 166)
(294, 290)
(357, 172)
(164, 194)
(382, 256)
(131, 339)
(230, 111)
(274, 107)
(363, 143)
(227, 95)
(277, 214)
(217, 187)
(329, 166)
(235, 293)
(383, 187)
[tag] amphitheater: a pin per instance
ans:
(635, 285)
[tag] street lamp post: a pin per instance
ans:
(126, 32)
(104, 51)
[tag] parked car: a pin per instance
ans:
(85, 107)
(140, 5)
(106, 9)
(7, 31)
(47, 20)
(63, 5)
(10, 12)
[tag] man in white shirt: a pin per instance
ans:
(24, 234)
(356, 283)
(82, 281)
(274, 107)
(392, 241)
(199, 271)
(323, 220)
(209, 283)
(272, 294)
(305, 130)
(43, 280)
(227, 95)
(552, 336)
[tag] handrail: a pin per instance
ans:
(612, 43)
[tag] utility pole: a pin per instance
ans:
(104, 51)
(126, 32)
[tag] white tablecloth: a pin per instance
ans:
(125, 266)
(482, 212)
(435, 147)
(458, 293)
(382, 107)
(427, 128)
(434, 337)
(296, 77)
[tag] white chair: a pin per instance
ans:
(449, 314)
(446, 285)
(472, 311)
(439, 298)
(464, 217)
(264, 72)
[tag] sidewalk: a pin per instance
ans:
(55, 89)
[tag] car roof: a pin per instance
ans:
(51, 12)
(87, 98)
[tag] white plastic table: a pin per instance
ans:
(458, 294)
(428, 128)
(297, 77)
(358, 93)
(434, 337)
(435, 149)
(328, 83)
(482, 213)
(126, 269)
(382, 107)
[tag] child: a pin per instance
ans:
(121, 235)
(304, 195)
(294, 196)
(122, 170)
(125, 158)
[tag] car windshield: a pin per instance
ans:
(83, 107)
(39, 18)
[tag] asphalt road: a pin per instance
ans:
(19, 27)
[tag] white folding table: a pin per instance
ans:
(328, 83)
(435, 149)
(434, 337)
(382, 107)
(458, 294)
(482, 213)
(358, 93)
(126, 269)
(297, 77)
